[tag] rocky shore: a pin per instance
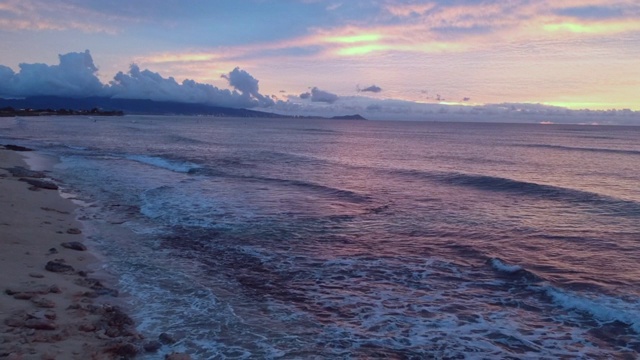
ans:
(55, 304)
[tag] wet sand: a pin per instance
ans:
(51, 304)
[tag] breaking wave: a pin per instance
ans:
(173, 165)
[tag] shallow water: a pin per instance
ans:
(362, 239)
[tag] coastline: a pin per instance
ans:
(51, 307)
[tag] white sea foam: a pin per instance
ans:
(501, 266)
(177, 166)
(38, 161)
(602, 308)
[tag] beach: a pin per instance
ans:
(52, 306)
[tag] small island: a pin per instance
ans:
(11, 112)
(348, 117)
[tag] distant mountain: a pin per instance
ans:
(131, 106)
(54, 105)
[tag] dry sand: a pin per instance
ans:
(44, 314)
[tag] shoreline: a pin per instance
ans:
(53, 303)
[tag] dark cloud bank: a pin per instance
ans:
(75, 76)
(372, 88)
(317, 95)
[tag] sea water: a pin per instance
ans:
(313, 239)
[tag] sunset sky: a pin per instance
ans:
(571, 53)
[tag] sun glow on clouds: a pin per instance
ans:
(354, 38)
(458, 48)
(361, 50)
(429, 28)
(609, 27)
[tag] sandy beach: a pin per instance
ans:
(51, 307)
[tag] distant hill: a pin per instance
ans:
(131, 106)
(141, 107)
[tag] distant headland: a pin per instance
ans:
(11, 112)
(104, 106)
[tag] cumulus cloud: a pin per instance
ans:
(247, 85)
(76, 76)
(305, 95)
(145, 84)
(318, 95)
(372, 88)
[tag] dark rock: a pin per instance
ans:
(113, 332)
(123, 349)
(90, 294)
(152, 346)
(53, 251)
(16, 320)
(166, 338)
(24, 295)
(54, 210)
(28, 294)
(94, 309)
(96, 285)
(58, 266)
(116, 317)
(74, 245)
(36, 275)
(17, 148)
(31, 291)
(47, 338)
(42, 302)
(87, 327)
(40, 184)
(19, 171)
(55, 289)
(177, 356)
(74, 231)
(11, 291)
(50, 314)
(115, 322)
(107, 291)
(40, 324)
(42, 314)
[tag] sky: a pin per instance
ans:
(384, 58)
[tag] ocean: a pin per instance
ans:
(322, 239)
